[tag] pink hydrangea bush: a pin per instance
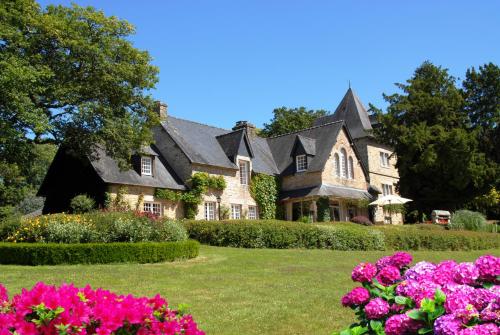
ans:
(67, 310)
(448, 298)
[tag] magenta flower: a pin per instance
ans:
(388, 275)
(447, 325)
(484, 329)
(466, 273)
(488, 267)
(376, 309)
(443, 273)
(481, 297)
(401, 259)
(401, 324)
(419, 270)
(456, 301)
(383, 262)
(358, 296)
(364, 272)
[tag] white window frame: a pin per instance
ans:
(152, 207)
(252, 213)
(350, 165)
(387, 189)
(301, 163)
(235, 211)
(244, 171)
(146, 166)
(384, 159)
(209, 210)
(336, 164)
(343, 163)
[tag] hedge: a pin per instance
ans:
(283, 235)
(337, 236)
(96, 253)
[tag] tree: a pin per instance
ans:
(286, 120)
(439, 162)
(71, 74)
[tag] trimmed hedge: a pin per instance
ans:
(96, 253)
(283, 235)
(336, 236)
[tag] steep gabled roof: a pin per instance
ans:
(282, 146)
(354, 114)
(307, 144)
(235, 143)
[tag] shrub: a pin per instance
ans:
(442, 299)
(30, 204)
(323, 205)
(360, 219)
(96, 253)
(70, 310)
(9, 224)
(81, 204)
(468, 220)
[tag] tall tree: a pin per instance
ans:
(287, 120)
(438, 158)
(71, 74)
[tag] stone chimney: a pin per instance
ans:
(250, 128)
(161, 110)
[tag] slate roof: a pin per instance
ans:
(235, 143)
(109, 172)
(354, 114)
(282, 146)
(309, 144)
(327, 190)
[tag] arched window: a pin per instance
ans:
(343, 163)
(351, 168)
(336, 164)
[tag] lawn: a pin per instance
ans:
(235, 291)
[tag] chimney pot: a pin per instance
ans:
(250, 128)
(161, 110)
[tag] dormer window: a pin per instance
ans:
(301, 162)
(146, 166)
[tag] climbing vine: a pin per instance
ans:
(264, 190)
(200, 182)
(323, 208)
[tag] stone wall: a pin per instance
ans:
(173, 210)
(300, 180)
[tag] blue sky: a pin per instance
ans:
(223, 61)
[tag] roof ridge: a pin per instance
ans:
(313, 127)
(230, 133)
(201, 124)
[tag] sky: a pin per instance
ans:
(222, 61)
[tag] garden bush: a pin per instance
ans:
(436, 299)
(96, 253)
(360, 219)
(96, 227)
(467, 220)
(81, 204)
(68, 310)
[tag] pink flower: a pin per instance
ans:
(443, 272)
(447, 325)
(456, 301)
(420, 270)
(488, 267)
(401, 259)
(358, 296)
(388, 275)
(376, 308)
(383, 262)
(364, 272)
(466, 273)
(401, 324)
(484, 329)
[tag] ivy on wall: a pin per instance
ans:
(323, 209)
(264, 189)
(200, 182)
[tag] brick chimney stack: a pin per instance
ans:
(161, 110)
(250, 128)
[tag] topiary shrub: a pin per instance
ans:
(363, 220)
(81, 204)
(467, 220)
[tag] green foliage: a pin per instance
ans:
(96, 253)
(468, 220)
(30, 204)
(488, 202)
(286, 120)
(282, 235)
(118, 203)
(440, 162)
(264, 189)
(323, 206)
(395, 208)
(200, 182)
(81, 204)
(72, 74)
(10, 221)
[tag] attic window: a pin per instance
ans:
(301, 161)
(146, 166)
(244, 171)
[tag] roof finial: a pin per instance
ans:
(349, 84)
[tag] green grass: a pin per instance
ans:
(236, 291)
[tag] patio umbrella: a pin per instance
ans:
(390, 199)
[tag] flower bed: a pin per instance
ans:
(96, 253)
(448, 298)
(64, 310)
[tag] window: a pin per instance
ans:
(336, 164)
(343, 163)
(301, 161)
(235, 212)
(244, 169)
(384, 159)
(252, 212)
(386, 189)
(210, 210)
(146, 166)
(152, 207)
(351, 168)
